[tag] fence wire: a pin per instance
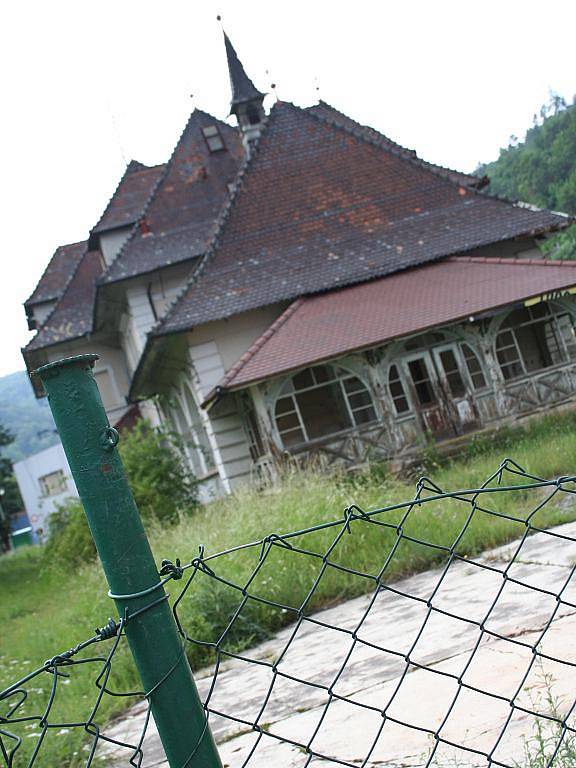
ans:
(469, 664)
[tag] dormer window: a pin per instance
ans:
(213, 138)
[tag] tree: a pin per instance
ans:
(10, 499)
(542, 169)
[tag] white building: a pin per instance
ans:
(45, 482)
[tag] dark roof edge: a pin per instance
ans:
(55, 307)
(395, 148)
(28, 302)
(435, 170)
(127, 172)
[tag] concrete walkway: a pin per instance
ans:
(371, 676)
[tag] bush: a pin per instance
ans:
(70, 542)
(162, 485)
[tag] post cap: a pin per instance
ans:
(74, 360)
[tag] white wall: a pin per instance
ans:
(28, 473)
(213, 349)
(111, 368)
(41, 311)
(111, 242)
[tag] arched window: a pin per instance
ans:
(534, 338)
(321, 401)
(474, 367)
(397, 391)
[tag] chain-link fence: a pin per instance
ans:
(471, 663)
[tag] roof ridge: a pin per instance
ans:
(220, 222)
(126, 172)
(403, 153)
(430, 167)
(256, 346)
(517, 260)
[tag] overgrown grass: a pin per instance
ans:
(45, 610)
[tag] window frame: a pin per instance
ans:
(552, 317)
(339, 376)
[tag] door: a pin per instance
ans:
(427, 395)
(452, 370)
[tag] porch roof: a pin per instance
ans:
(329, 325)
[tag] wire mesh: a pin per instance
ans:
(468, 661)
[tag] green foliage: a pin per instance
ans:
(161, 483)
(162, 486)
(70, 542)
(542, 169)
(27, 418)
(10, 500)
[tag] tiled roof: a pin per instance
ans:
(131, 195)
(182, 212)
(326, 111)
(60, 269)
(72, 316)
(320, 206)
(330, 325)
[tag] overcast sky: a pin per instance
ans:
(89, 85)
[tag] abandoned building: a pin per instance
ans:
(300, 284)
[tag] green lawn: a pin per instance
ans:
(46, 608)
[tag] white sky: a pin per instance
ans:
(89, 84)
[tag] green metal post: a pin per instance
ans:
(90, 446)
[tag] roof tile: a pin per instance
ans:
(320, 206)
(333, 324)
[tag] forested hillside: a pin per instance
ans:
(541, 169)
(25, 417)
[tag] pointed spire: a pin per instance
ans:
(243, 89)
(247, 101)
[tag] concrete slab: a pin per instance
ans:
(432, 671)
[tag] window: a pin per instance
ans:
(213, 138)
(452, 372)
(474, 368)
(421, 380)
(53, 484)
(397, 391)
(532, 339)
(321, 401)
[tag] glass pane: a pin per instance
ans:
(453, 375)
(284, 405)
(293, 437)
(323, 410)
(507, 355)
(359, 400)
(303, 379)
(289, 422)
(399, 398)
(322, 373)
(421, 380)
(365, 415)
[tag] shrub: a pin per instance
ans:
(162, 485)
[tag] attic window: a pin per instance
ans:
(213, 138)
